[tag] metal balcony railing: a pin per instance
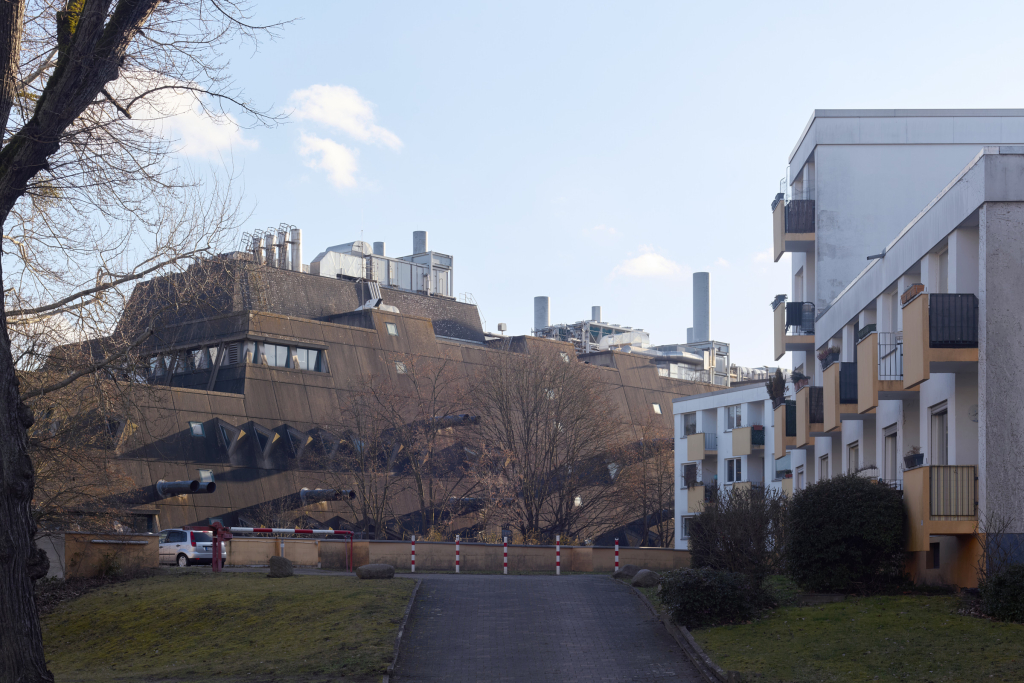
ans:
(847, 382)
(756, 435)
(790, 418)
(953, 492)
(953, 321)
(890, 356)
(799, 317)
(710, 441)
(816, 404)
(800, 216)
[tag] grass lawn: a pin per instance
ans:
(904, 638)
(202, 626)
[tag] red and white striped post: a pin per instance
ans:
(504, 561)
(456, 554)
(412, 560)
(558, 555)
(616, 554)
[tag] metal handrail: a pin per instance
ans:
(890, 356)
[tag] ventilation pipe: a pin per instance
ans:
(308, 495)
(595, 313)
(257, 248)
(419, 242)
(689, 335)
(701, 307)
(271, 250)
(378, 249)
(282, 249)
(166, 489)
(541, 312)
(296, 242)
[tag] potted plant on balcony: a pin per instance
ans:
(828, 356)
(776, 386)
(800, 380)
(913, 458)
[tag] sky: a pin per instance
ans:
(595, 153)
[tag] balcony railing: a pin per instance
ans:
(953, 321)
(800, 216)
(799, 317)
(953, 494)
(710, 441)
(816, 405)
(847, 382)
(757, 435)
(890, 356)
(790, 418)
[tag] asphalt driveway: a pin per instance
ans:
(535, 628)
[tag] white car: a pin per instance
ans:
(185, 547)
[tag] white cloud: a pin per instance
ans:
(648, 265)
(764, 256)
(327, 155)
(604, 230)
(177, 113)
(722, 262)
(342, 108)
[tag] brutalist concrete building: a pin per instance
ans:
(245, 377)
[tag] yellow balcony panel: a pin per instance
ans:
(830, 394)
(920, 359)
(808, 408)
(779, 229)
(784, 441)
(787, 486)
(741, 486)
(780, 331)
(867, 373)
(746, 440)
(698, 446)
(792, 226)
(695, 499)
(940, 500)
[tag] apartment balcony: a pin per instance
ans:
(792, 225)
(700, 445)
(940, 500)
(794, 326)
(810, 415)
(787, 487)
(880, 370)
(840, 394)
(940, 334)
(740, 486)
(697, 497)
(748, 440)
(785, 428)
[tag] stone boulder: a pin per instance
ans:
(280, 567)
(626, 572)
(645, 578)
(375, 571)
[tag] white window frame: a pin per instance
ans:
(392, 329)
(733, 417)
(657, 408)
(736, 473)
(938, 454)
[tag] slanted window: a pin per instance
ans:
(206, 476)
(400, 367)
(277, 356)
(565, 356)
(309, 359)
(657, 408)
(196, 428)
(392, 329)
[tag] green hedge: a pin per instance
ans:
(1002, 595)
(845, 533)
(709, 597)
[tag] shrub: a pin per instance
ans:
(741, 531)
(846, 532)
(709, 597)
(1002, 594)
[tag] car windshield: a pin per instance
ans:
(201, 537)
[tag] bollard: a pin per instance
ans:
(505, 558)
(413, 560)
(558, 555)
(456, 554)
(616, 554)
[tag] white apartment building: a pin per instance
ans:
(912, 393)
(727, 439)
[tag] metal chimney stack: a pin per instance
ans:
(257, 248)
(419, 242)
(379, 250)
(595, 313)
(271, 250)
(282, 249)
(541, 312)
(296, 242)
(701, 307)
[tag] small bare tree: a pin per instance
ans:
(644, 484)
(551, 432)
(999, 548)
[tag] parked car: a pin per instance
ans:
(185, 547)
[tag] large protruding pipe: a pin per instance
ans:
(308, 495)
(419, 242)
(257, 248)
(541, 312)
(378, 249)
(271, 250)
(166, 489)
(689, 335)
(282, 249)
(701, 307)
(595, 314)
(296, 242)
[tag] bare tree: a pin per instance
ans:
(999, 548)
(551, 432)
(86, 174)
(644, 484)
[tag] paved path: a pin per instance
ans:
(535, 628)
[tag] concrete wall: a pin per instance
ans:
(1001, 362)
(88, 555)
